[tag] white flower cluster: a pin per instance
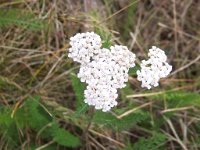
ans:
(84, 46)
(104, 70)
(154, 68)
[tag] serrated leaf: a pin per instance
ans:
(65, 138)
(8, 127)
(21, 18)
(111, 121)
(79, 88)
(126, 91)
(105, 36)
(180, 98)
(151, 143)
(37, 116)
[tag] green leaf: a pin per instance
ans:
(128, 20)
(126, 91)
(152, 143)
(33, 116)
(180, 98)
(111, 121)
(21, 18)
(8, 128)
(21, 118)
(65, 138)
(37, 116)
(79, 88)
(132, 71)
(5, 117)
(105, 36)
(106, 42)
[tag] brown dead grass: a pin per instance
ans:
(36, 62)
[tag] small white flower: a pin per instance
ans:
(102, 69)
(123, 56)
(84, 46)
(103, 97)
(106, 70)
(154, 68)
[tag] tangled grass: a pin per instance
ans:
(41, 99)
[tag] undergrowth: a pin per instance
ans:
(42, 100)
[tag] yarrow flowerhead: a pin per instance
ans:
(101, 97)
(103, 70)
(154, 68)
(84, 46)
(106, 70)
(104, 75)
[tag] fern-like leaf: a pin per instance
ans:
(21, 18)
(152, 143)
(37, 116)
(79, 88)
(111, 121)
(8, 129)
(63, 137)
(180, 98)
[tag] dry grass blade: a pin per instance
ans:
(176, 138)
(45, 145)
(177, 109)
(106, 137)
(8, 81)
(157, 93)
(132, 110)
(119, 11)
(185, 66)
